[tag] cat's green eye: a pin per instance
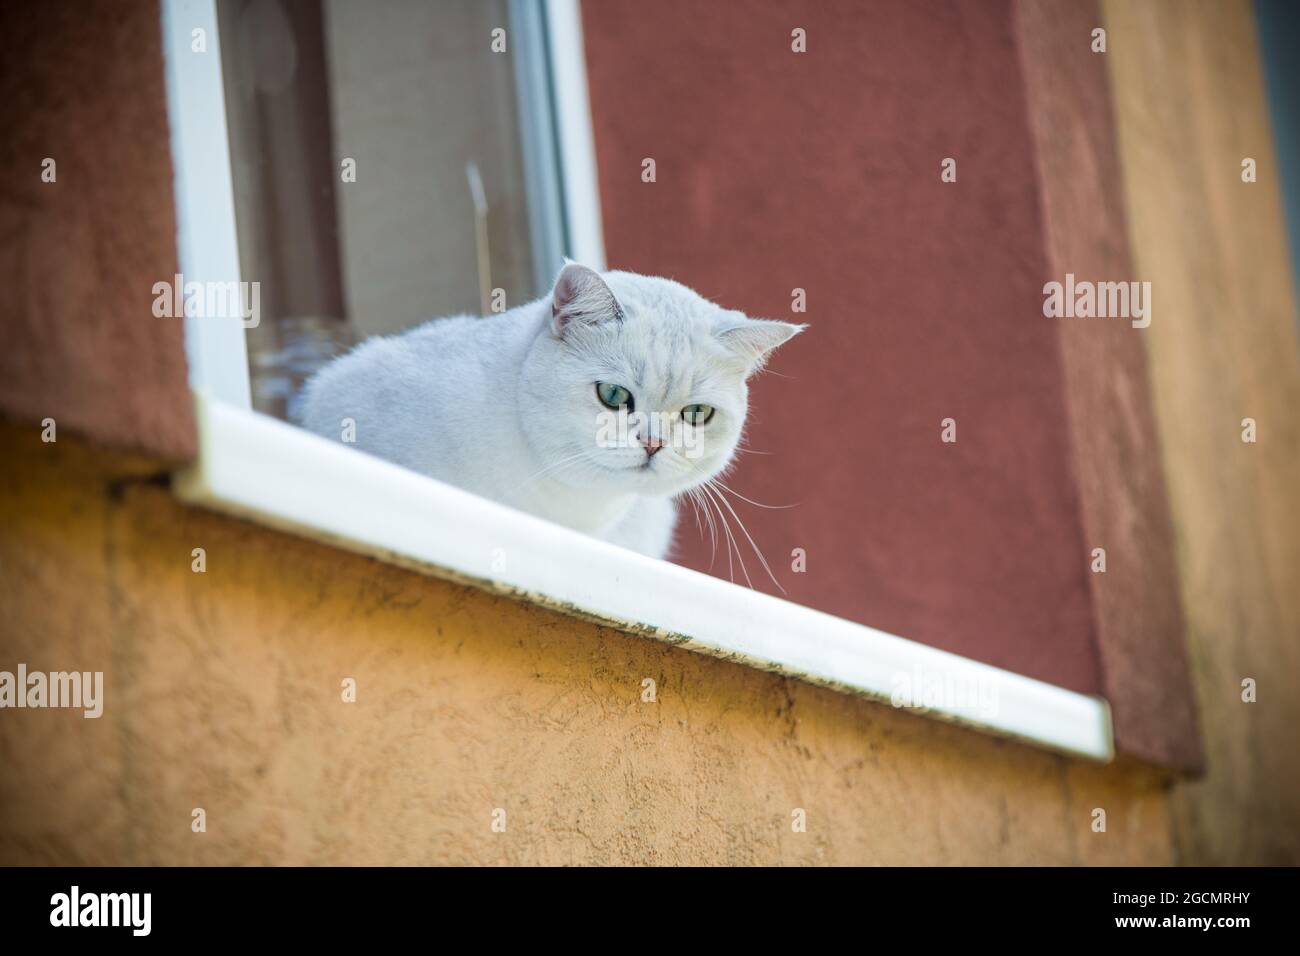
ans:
(697, 414)
(613, 396)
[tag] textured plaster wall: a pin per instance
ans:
(1189, 105)
(1116, 452)
(82, 85)
(223, 692)
(778, 171)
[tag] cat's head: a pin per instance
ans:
(638, 383)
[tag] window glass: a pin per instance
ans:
(379, 166)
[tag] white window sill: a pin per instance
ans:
(256, 467)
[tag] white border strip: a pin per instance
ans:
(207, 240)
(573, 121)
(254, 466)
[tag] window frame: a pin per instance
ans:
(259, 468)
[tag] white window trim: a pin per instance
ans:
(257, 467)
(207, 243)
(568, 65)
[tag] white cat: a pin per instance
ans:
(593, 407)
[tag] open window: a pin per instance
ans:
(355, 170)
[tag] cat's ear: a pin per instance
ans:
(754, 339)
(581, 296)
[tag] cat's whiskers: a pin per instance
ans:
(698, 503)
(710, 506)
(757, 550)
(715, 491)
(713, 531)
(731, 540)
(756, 504)
(553, 467)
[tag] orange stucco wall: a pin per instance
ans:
(1189, 106)
(223, 691)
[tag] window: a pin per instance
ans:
(356, 221)
(368, 168)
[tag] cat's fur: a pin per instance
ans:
(506, 406)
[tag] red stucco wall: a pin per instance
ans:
(82, 84)
(821, 171)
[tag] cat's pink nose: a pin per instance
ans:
(652, 446)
